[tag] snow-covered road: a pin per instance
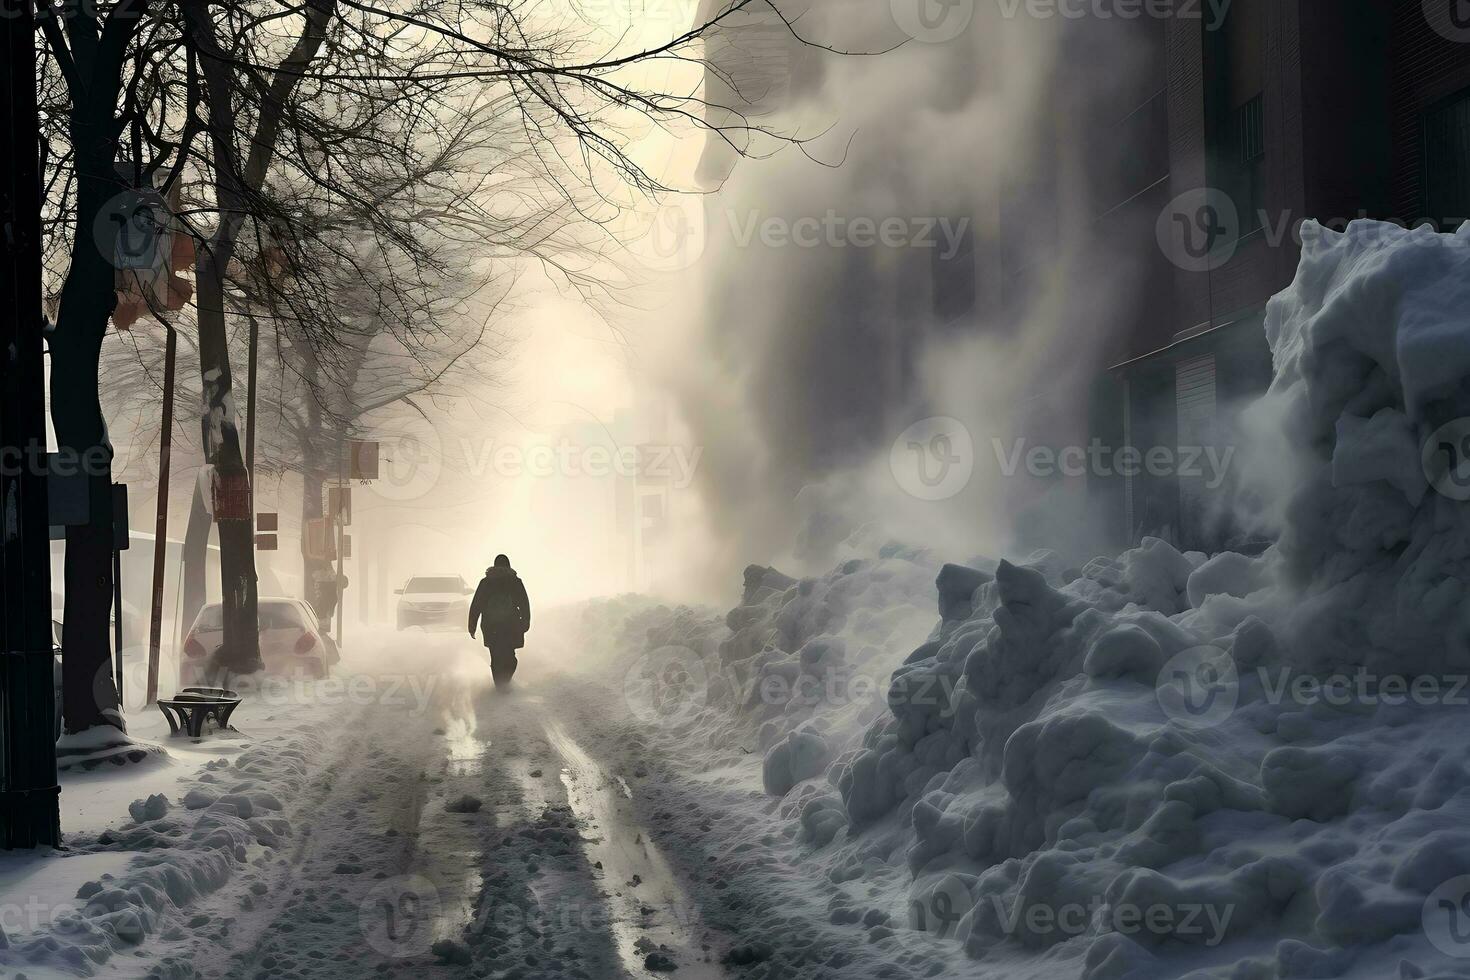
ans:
(407, 820)
(477, 830)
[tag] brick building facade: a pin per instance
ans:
(1291, 109)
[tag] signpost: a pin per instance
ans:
(364, 460)
(266, 526)
(339, 512)
(120, 543)
(160, 521)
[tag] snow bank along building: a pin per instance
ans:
(1236, 132)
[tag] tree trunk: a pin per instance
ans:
(234, 181)
(89, 693)
(240, 652)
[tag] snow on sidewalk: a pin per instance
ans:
(216, 804)
(1159, 763)
(147, 843)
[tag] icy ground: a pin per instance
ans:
(408, 820)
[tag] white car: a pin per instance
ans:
(292, 641)
(434, 600)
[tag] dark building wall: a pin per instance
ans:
(1426, 68)
(1344, 86)
(1344, 134)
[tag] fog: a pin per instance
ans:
(777, 355)
(786, 331)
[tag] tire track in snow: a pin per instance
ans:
(302, 911)
(657, 925)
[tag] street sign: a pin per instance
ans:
(346, 546)
(231, 495)
(339, 504)
(69, 502)
(68, 494)
(317, 540)
(364, 460)
(267, 521)
(120, 536)
(265, 542)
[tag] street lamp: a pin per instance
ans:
(29, 795)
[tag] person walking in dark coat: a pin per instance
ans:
(502, 611)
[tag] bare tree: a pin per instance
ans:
(239, 98)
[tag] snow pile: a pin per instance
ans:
(233, 814)
(798, 669)
(806, 661)
(1168, 763)
(1154, 738)
(1372, 382)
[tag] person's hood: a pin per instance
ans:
(495, 571)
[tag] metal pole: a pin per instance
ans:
(29, 795)
(117, 623)
(160, 527)
(337, 518)
(250, 408)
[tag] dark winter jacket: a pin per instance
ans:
(501, 609)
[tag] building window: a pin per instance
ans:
(1235, 109)
(1194, 398)
(1250, 125)
(1447, 161)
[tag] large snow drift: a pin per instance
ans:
(1161, 763)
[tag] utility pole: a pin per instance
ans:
(29, 795)
(160, 530)
(341, 537)
(250, 405)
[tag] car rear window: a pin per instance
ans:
(439, 583)
(280, 616)
(270, 615)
